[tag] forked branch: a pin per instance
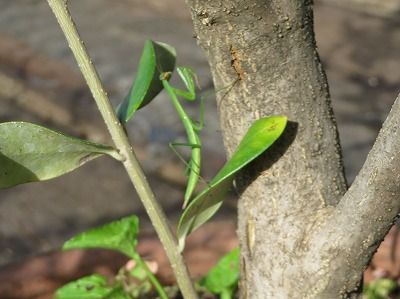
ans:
(366, 212)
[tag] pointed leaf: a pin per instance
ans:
(120, 235)
(156, 58)
(30, 153)
(89, 287)
(260, 136)
(224, 276)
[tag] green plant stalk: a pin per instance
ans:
(131, 164)
(152, 278)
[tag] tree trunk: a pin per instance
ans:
(264, 54)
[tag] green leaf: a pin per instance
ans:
(120, 235)
(380, 288)
(30, 153)
(89, 287)
(260, 136)
(156, 58)
(224, 277)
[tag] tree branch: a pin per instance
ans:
(366, 212)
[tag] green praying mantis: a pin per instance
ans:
(155, 69)
(192, 128)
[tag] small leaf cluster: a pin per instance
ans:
(121, 236)
(223, 279)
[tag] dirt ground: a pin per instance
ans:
(40, 83)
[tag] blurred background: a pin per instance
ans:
(358, 40)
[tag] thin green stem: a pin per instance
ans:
(131, 164)
(150, 275)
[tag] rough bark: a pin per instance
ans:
(298, 240)
(352, 233)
